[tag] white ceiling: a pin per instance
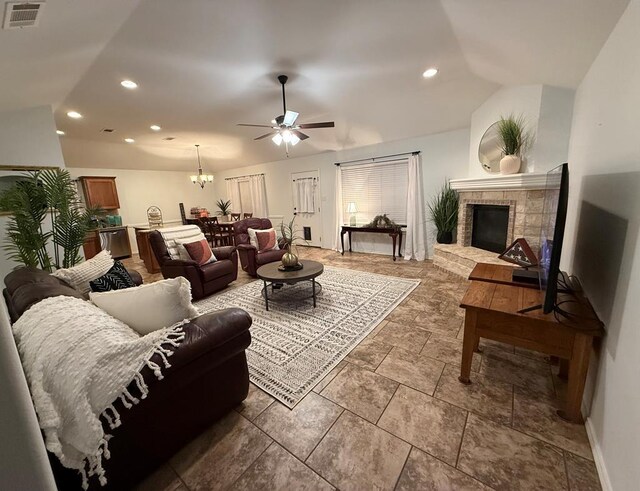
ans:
(204, 66)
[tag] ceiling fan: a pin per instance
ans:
(284, 127)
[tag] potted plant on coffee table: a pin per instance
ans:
(514, 141)
(444, 213)
(289, 236)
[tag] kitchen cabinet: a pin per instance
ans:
(100, 191)
(144, 250)
(91, 245)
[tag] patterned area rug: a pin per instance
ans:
(294, 345)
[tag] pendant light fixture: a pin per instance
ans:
(201, 178)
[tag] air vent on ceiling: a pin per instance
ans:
(22, 14)
(169, 138)
(107, 130)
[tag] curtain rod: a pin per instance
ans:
(373, 159)
(240, 177)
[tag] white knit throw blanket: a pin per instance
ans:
(79, 360)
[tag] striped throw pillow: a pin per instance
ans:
(117, 278)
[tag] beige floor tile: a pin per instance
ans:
(538, 417)
(536, 365)
(507, 459)
(445, 325)
(490, 343)
(256, 402)
(582, 473)
(508, 367)
(424, 472)
(376, 330)
(448, 350)
(369, 354)
(361, 391)
(329, 377)
(163, 479)
(427, 423)
(299, 429)
(405, 336)
(216, 458)
(410, 369)
(403, 315)
(276, 470)
(356, 455)
(488, 397)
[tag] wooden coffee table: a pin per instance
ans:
(272, 277)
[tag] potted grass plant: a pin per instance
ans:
(444, 213)
(224, 208)
(514, 141)
(289, 236)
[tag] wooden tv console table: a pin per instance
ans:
(394, 232)
(491, 306)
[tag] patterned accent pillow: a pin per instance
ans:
(117, 278)
(266, 240)
(200, 252)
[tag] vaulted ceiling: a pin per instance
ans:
(203, 66)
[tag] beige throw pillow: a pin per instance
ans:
(79, 276)
(150, 307)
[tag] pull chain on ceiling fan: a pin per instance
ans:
(285, 128)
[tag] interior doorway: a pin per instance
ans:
(305, 192)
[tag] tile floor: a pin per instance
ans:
(393, 415)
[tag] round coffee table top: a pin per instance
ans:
(310, 269)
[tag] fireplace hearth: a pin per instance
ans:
(490, 227)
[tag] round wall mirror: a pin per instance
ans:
(489, 152)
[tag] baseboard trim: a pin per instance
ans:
(597, 456)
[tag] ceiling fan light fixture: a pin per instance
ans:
(286, 136)
(294, 139)
(277, 139)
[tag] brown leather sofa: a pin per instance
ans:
(250, 258)
(207, 378)
(204, 280)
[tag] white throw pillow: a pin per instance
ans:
(148, 308)
(79, 276)
(254, 241)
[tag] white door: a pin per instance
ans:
(305, 187)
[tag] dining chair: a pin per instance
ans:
(235, 217)
(248, 215)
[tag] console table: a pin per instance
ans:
(491, 306)
(394, 232)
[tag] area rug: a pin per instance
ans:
(294, 346)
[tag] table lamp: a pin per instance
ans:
(352, 209)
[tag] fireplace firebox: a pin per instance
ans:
(490, 227)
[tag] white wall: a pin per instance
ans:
(444, 155)
(27, 137)
(547, 111)
(140, 189)
(602, 243)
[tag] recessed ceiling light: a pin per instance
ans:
(155, 127)
(129, 140)
(74, 114)
(430, 72)
(60, 132)
(129, 84)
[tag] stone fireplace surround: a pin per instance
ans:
(523, 193)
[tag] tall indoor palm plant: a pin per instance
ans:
(444, 213)
(45, 209)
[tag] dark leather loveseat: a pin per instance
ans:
(204, 280)
(250, 258)
(207, 378)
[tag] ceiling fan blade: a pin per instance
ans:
(328, 124)
(290, 118)
(256, 125)
(266, 135)
(300, 134)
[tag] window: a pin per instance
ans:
(376, 189)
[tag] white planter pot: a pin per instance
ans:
(510, 164)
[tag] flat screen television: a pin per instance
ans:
(554, 216)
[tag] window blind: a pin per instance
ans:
(376, 189)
